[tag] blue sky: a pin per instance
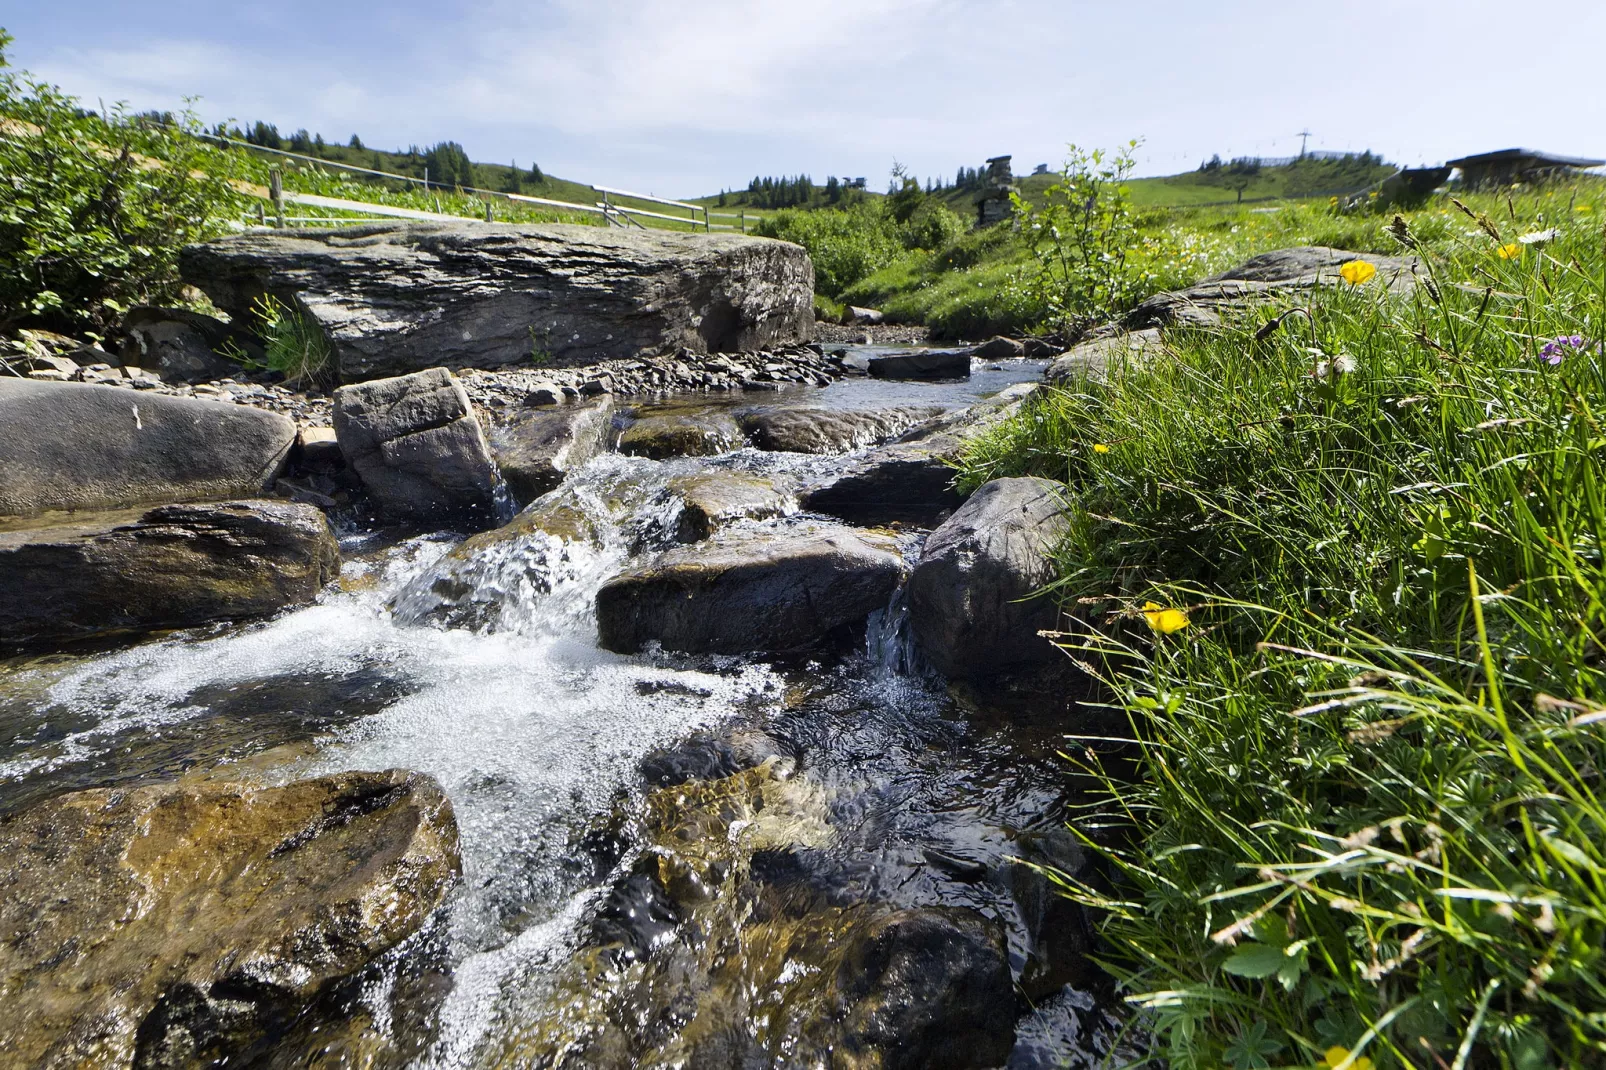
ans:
(682, 98)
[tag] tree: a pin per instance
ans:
(265, 134)
(355, 142)
(513, 181)
(449, 166)
(535, 174)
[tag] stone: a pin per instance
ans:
(853, 316)
(183, 345)
(920, 364)
(65, 367)
(418, 447)
(715, 498)
(910, 479)
(186, 924)
(1093, 359)
(971, 598)
(797, 429)
(77, 446)
(746, 591)
(695, 433)
(536, 449)
(544, 394)
(319, 448)
(1261, 278)
(1041, 348)
(82, 576)
(999, 348)
(398, 298)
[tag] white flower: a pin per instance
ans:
(1539, 237)
(1344, 364)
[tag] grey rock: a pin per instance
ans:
(182, 925)
(715, 498)
(175, 566)
(795, 429)
(694, 433)
(855, 315)
(910, 479)
(184, 345)
(399, 298)
(418, 447)
(544, 394)
(66, 367)
(971, 603)
(920, 364)
(1093, 359)
(536, 449)
(1261, 278)
(79, 446)
(747, 590)
(999, 348)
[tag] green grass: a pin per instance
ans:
(1366, 813)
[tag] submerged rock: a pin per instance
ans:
(715, 498)
(398, 298)
(536, 448)
(418, 447)
(80, 446)
(749, 591)
(920, 364)
(696, 433)
(970, 597)
(175, 566)
(184, 924)
(803, 429)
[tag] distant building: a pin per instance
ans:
(855, 183)
(1506, 166)
(1041, 169)
(993, 206)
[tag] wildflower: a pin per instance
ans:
(1509, 251)
(1099, 447)
(1585, 208)
(1336, 1056)
(1163, 620)
(1343, 364)
(1357, 272)
(1554, 352)
(1539, 237)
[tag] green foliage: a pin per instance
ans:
(292, 342)
(932, 225)
(1081, 234)
(846, 244)
(94, 209)
(1368, 811)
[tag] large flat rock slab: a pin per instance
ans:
(180, 925)
(749, 590)
(398, 298)
(80, 446)
(175, 566)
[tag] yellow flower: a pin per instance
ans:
(1509, 251)
(1583, 208)
(1099, 447)
(1337, 1055)
(1165, 621)
(1357, 272)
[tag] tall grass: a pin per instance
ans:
(1366, 826)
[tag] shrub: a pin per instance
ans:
(94, 209)
(846, 245)
(933, 225)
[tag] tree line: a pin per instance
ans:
(445, 165)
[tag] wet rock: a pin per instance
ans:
(185, 924)
(970, 603)
(1039, 348)
(854, 315)
(1094, 358)
(999, 348)
(709, 757)
(418, 447)
(924, 989)
(544, 394)
(910, 480)
(681, 434)
(174, 566)
(397, 298)
(920, 364)
(318, 449)
(76, 446)
(1261, 278)
(749, 591)
(537, 448)
(793, 429)
(183, 345)
(715, 498)
(1056, 936)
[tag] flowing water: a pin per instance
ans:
(539, 738)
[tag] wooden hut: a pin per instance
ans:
(1506, 166)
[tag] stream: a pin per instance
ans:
(548, 747)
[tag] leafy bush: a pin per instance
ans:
(933, 225)
(846, 245)
(1369, 823)
(94, 209)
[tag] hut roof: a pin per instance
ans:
(1542, 158)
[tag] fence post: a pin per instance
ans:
(744, 220)
(276, 192)
(488, 218)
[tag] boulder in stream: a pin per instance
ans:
(811, 429)
(536, 448)
(80, 446)
(394, 298)
(418, 447)
(185, 924)
(715, 498)
(750, 590)
(971, 602)
(686, 433)
(920, 364)
(176, 566)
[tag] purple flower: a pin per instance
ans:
(1553, 353)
